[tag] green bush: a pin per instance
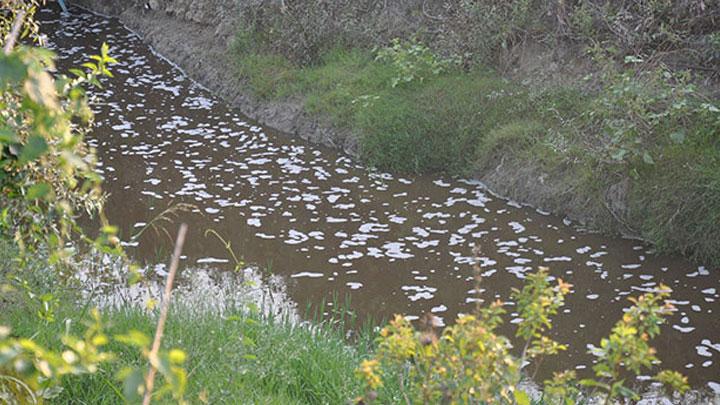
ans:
(48, 179)
(470, 363)
(413, 61)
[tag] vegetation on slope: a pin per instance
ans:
(632, 144)
(234, 357)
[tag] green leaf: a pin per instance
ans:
(37, 191)
(134, 338)
(133, 381)
(587, 382)
(35, 147)
(12, 70)
(7, 136)
(624, 391)
(521, 397)
(77, 72)
(678, 136)
(647, 158)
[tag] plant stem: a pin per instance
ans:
(13, 34)
(150, 379)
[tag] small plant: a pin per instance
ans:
(47, 179)
(29, 373)
(634, 107)
(469, 362)
(47, 172)
(413, 61)
(627, 348)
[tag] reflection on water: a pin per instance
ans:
(198, 291)
(394, 244)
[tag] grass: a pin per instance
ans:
(231, 357)
(470, 122)
(234, 358)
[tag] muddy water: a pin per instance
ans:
(394, 244)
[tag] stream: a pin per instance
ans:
(332, 228)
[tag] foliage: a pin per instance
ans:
(489, 30)
(168, 363)
(412, 61)
(29, 27)
(302, 31)
(640, 112)
(627, 347)
(650, 134)
(48, 179)
(470, 362)
(236, 356)
(537, 302)
(47, 173)
(682, 34)
(656, 29)
(30, 373)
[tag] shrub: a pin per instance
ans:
(47, 176)
(412, 61)
(640, 113)
(47, 172)
(470, 363)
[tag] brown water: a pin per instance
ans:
(394, 244)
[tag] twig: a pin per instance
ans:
(13, 34)
(150, 379)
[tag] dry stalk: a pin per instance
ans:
(153, 356)
(13, 34)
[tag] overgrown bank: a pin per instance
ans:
(231, 353)
(236, 355)
(633, 149)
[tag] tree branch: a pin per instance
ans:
(13, 34)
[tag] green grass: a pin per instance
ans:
(469, 122)
(234, 358)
